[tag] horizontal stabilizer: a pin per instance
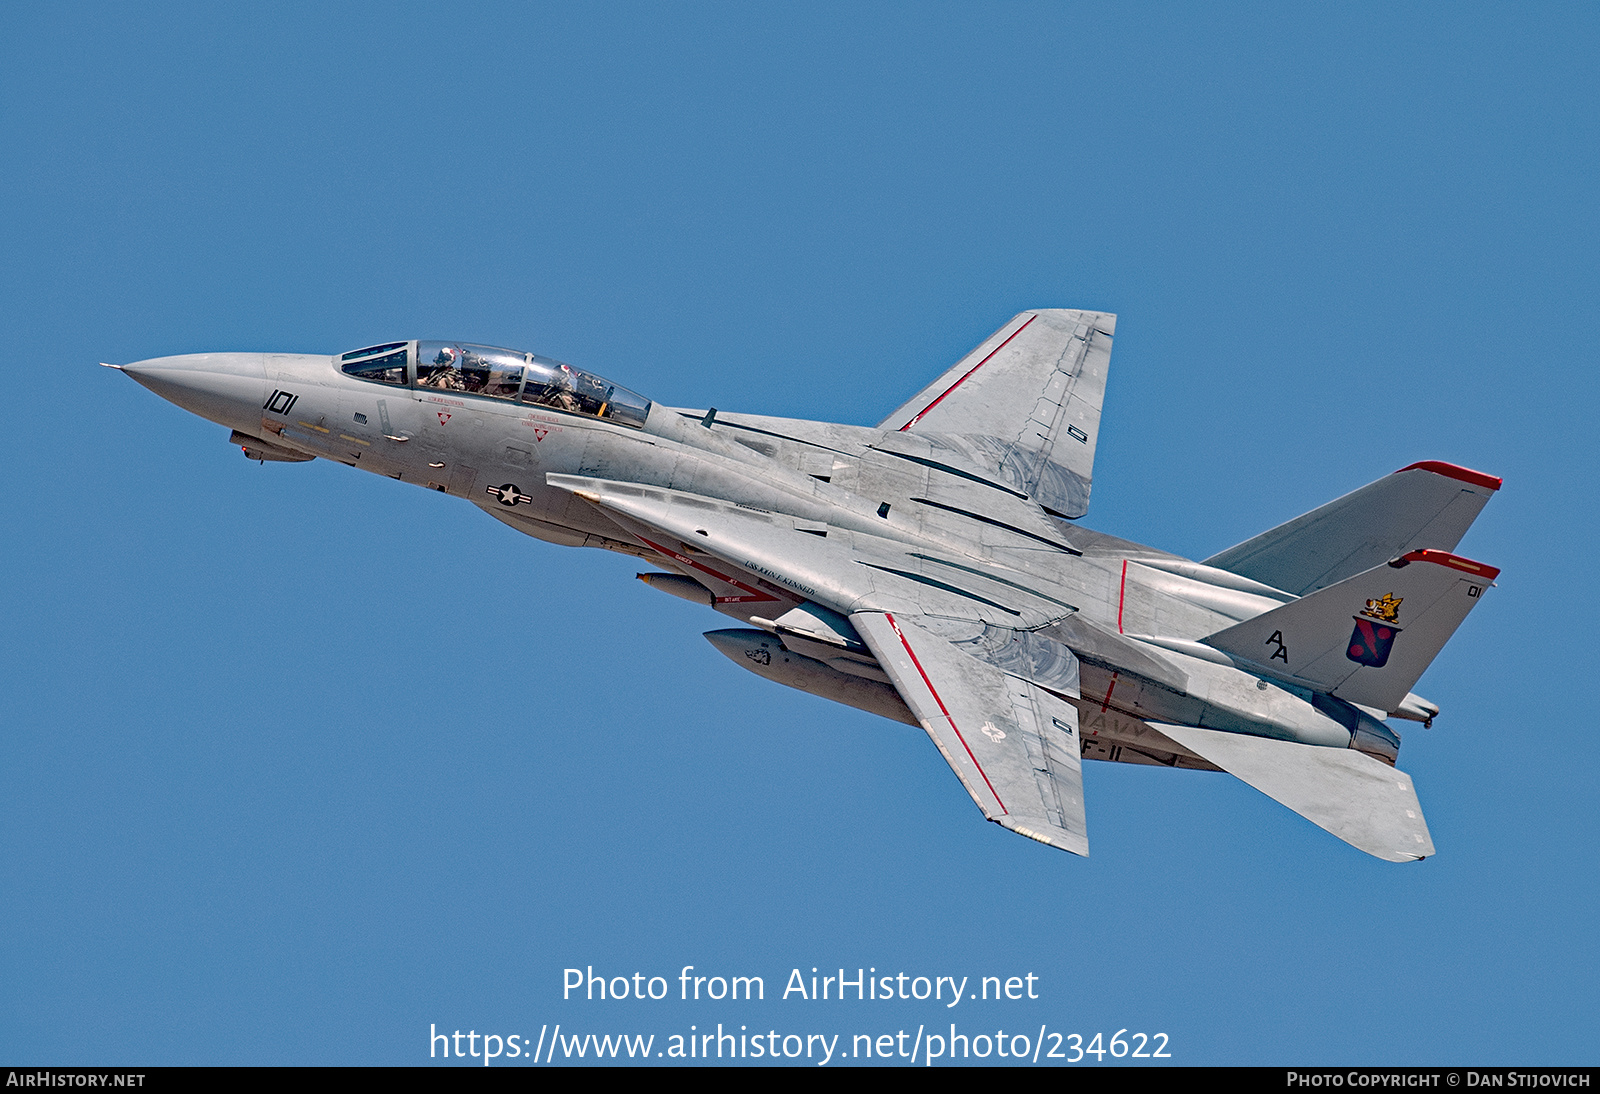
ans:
(1429, 504)
(1013, 745)
(1368, 638)
(1368, 804)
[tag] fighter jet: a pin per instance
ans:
(930, 569)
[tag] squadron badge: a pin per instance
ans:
(1375, 632)
(1386, 610)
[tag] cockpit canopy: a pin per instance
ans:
(507, 374)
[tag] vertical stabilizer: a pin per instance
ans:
(1368, 638)
(1429, 504)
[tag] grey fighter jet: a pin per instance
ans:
(928, 569)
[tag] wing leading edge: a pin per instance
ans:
(1013, 745)
(1030, 396)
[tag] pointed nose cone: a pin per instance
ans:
(731, 643)
(226, 388)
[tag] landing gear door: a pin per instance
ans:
(461, 481)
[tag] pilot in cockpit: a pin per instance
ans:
(442, 371)
(562, 388)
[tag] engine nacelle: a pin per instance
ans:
(1367, 734)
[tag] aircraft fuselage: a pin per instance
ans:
(980, 538)
(930, 569)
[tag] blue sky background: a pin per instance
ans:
(295, 761)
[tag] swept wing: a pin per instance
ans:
(1013, 744)
(1029, 397)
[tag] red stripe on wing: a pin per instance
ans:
(946, 711)
(965, 375)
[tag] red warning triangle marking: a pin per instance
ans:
(539, 434)
(443, 417)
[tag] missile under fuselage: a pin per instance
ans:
(765, 655)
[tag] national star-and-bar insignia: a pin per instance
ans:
(508, 494)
